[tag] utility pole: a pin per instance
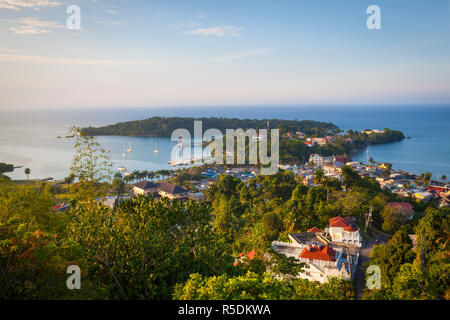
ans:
(368, 217)
(421, 251)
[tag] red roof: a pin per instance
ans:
(317, 253)
(342, 159)
(251, 254)
(339, 222)
(350, 229)
(314, 230)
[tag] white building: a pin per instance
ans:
(319, 161)
(321, 261)
(342, 231)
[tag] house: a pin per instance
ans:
(424, 196)
(112, 201)
(349, 140)
(342, 231)
(300, 134)
(250, 255)
(403, 207)
(321, 261)
(319, 161)
(340, 159)
(373, 131)
(319, 141)
(143, 187)
(172, 191)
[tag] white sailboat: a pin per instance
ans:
(122, 167)
(156, 148)
(129, 147)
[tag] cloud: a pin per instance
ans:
(35, 26)
(223, 31)
(241, 55)
(111, 11)
(193, 24)
(69, 61)
(20, 4)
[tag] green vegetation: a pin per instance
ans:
(253, 286)
(292, 150)
(423, 273)
(386, 136)
(149, 249)
(4, 168)
(27, 172)
(163, 127)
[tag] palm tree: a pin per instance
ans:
(119, 183)
(145, 174)
(128, 179)
(387, 170)
(135, 175)
(318, 176)
(28, 172)
(443, 178)
(327, 183)
(426, 178)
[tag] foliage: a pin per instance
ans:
(386, 136)
(90, 166)
(143, 248)
(252, 286)
(163, 127)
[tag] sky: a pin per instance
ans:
(214, 52)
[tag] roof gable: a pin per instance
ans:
(171, 188)
(339, 222)
(318, 253)
(145, 184)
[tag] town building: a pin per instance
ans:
(144, 187)
(322, 259)
(319, 161)
(342, 231)
(172, 191)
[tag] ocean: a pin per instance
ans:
(29, 138)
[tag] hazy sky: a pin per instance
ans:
(219, 52)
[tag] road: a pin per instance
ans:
(364, 256)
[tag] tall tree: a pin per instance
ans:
(28, 172)
(91, 166)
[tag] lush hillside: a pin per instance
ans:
(163, 127)
(386, 136)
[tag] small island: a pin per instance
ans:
(298, 139)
